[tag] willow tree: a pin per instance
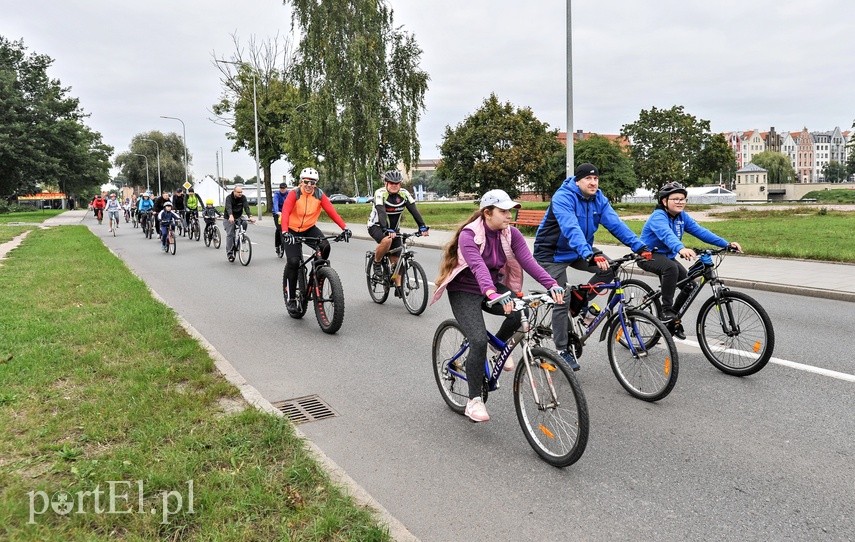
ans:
(363, 89)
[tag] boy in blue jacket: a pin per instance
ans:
(663, 232)
(565, 238)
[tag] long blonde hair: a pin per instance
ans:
(449, 252)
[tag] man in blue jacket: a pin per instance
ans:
(565, 238)
(278, 202)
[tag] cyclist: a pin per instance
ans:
(664, 231)
(158, 207)
(126, 207)
(383, 222)
(98, 204)
(193, 204)
(179, 202)
(167, 217)
(112, 207)
(565, 239)
(485, 259)
(278, 202)
(144, 209)
(236, 207)
(299, 216)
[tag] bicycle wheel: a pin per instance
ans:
(245, 252)
(300, 293)
(194, 230)
(329, 300)
(207, 236)
(646, 373)
(735, 333)
(149, 232)
(634, 292)
(215, 237)
(172, 243)
(451, 346)
(414, 287)
(551, 408)
(378, 286)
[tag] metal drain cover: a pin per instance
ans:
(305, 409)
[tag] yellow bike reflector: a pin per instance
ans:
(545, 431)
(757, 347)
(667, 365)
(548, 366)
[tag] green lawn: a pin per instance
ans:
(99, 383)
(7, 233)
(29, 216)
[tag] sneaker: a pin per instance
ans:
(231, 257)
(668, 315)
(476, 411)
(677, 331)
(292, 305)
(378, 269)
(569, 359)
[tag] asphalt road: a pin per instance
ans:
(767, 457)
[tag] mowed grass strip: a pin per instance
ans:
(99, 383)
(7, 233)
(29, 216)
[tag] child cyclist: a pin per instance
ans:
(663, 233)
(167, 218)
(210, 213)
(485, 259)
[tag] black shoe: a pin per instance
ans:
(569, 359)
(231, 257)
(677, 331)
(669, 315)
(378, 269)
(397, 291)
(292, 305)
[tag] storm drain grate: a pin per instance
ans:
(305, 409)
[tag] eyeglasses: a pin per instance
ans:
(677, 200)
(310, 182)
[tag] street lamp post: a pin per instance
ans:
(570, 167)
(255, 115)
(156, 146)
(184, 129)
(147, 183)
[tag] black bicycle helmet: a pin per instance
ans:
(393, 176)
(671, 188)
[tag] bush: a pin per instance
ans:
(6, 207)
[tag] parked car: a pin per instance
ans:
(341, 198)
(364, 199)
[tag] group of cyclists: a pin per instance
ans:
(486, 257)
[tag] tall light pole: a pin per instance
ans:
(255, 115)
(156, 146)
(148, 184)
(184, 128)
(570, 166)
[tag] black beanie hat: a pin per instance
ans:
(584, 170)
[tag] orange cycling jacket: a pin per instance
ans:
(303, 211)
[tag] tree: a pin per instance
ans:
(364, 89)
(43, 141)
(777, 166)
(666, 145)
(276, 99)
(717, 160)
(834, 172)
(498, 146)
(617, 177)
(171, 160)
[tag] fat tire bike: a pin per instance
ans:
(734, 331)
(318, 283)
(549, 403)
(413, 290)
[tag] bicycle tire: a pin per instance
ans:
(195, 230)
(207, 236)
(634, 291)
(172, 244)
(647, 374)
(329, 300)
(216, 238)
(557, 425)
(449, 341)
(414, 287)
(378, 287)
(149, 232)
(245, 252)
(753, 344)
(300, 293)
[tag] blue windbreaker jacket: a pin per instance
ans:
(664, 234)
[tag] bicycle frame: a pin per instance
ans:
(317, 260)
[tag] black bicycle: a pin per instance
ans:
(734, 331)
(147, 220)
(193, 229)
(212, 234)
(413, 290)
(319, 283)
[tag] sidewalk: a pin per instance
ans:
(799, 277)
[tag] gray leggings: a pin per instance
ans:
(467, 309)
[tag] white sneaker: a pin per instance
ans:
(476, 411)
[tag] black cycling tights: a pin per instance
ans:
(294, 254)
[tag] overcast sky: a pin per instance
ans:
(741, 65)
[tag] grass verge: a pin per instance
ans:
(7, 233)
(99, 385)
(29, 216)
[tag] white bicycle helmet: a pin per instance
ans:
(310, 173)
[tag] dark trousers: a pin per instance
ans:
(277, 231)
(670, 273)
(294, 255)
(468, 310)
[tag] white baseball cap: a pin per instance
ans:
(498, 198)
